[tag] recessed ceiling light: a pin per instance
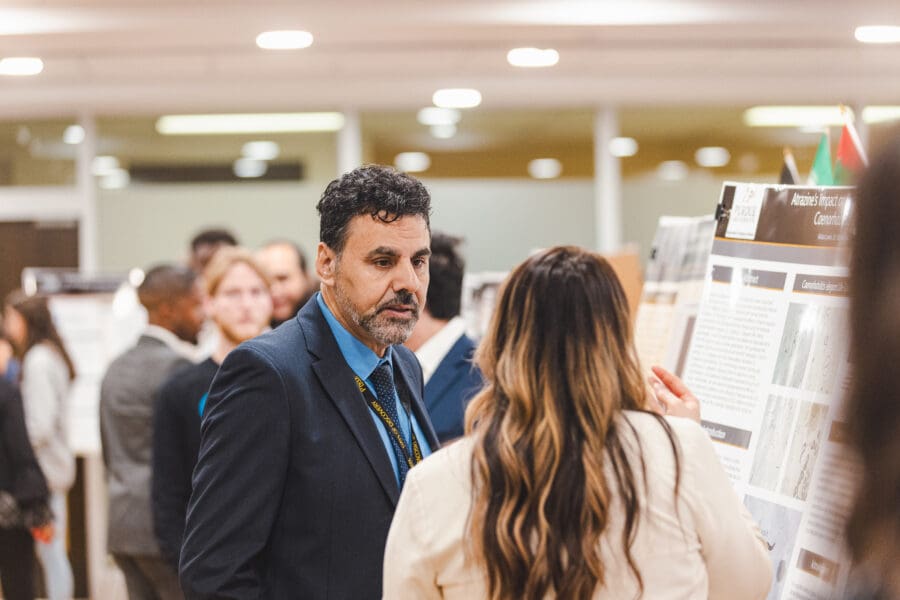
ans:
(672, 170)
(712, 156)
(432, 115)
(544, 168)
(532, 57)
(456, 98)
(104, 165)
(261, 150)
(443, 132)
(21, 65)
(249, 123)
(794, 116)
(412, 162)
(284, 40)
(878, 34)
(249, 168)
(623, 147)
(74, 134)
(881, 114)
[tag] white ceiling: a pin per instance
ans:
(142, 57)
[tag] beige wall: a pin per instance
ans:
(502, 220)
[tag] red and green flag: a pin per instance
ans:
(821, 173)
(850, 159)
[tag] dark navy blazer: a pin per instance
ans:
(450, 388)
(293, 490)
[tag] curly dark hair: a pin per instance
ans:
(445, 267)
(382, 192)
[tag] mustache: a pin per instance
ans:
(401, 298)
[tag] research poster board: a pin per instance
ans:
(672, 288)
(95, 328)
(769, 361)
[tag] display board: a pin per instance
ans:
(672, 287)
(95, 328)
(769, 361)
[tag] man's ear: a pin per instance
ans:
(326, 262)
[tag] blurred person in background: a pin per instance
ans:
(239, 304)
(873, 406)
(441, 344)
(568, 484)
(204, 245)
(23, 500)
(9, 364)
(47, 373)
(174, 303)
(291, 283)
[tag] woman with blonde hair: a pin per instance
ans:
(47, 373)
(567, 484)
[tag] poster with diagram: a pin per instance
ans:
(769, 360)
(672, 288)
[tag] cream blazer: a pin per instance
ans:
(705, 545)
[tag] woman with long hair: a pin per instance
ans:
(47, 373)
(567, 483)
(873, 530)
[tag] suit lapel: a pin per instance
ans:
(404, 368)
(338, 380)
(446, 373)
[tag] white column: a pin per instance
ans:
(607, 183)
(88, 244)
(349, 143)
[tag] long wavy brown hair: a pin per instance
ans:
(36, 312)
(873, 530)
(560, 366)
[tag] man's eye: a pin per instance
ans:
(382, 262)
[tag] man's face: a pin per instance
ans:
(241, 307)
(189, 314)
(289, 283)
(377, 285)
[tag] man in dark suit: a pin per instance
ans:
(309, 430)
(441, 344)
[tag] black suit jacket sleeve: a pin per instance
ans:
(239, 479)
(20, 474)
(171, 487)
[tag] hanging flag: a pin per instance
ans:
(821, 170)
(851, 158)
(789, 174)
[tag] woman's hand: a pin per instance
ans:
(44, 533)
(672, 396)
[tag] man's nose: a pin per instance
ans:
(407, 278)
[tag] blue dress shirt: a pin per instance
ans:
(363, 361)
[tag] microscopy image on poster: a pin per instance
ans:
(828, 350)
(774, 436)
(796, 343)
(809, 430)
(779, 526)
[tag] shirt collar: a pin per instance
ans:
(433, 351)
(360, 358)
(178, 345)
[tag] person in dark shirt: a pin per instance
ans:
(23, 500)
(240, 305)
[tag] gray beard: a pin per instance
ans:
(384, 330)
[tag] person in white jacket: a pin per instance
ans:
(569, 484)
(47, 372)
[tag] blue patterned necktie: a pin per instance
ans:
(383, 378)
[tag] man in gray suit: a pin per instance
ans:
(174, 303)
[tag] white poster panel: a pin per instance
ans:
(769, 361)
